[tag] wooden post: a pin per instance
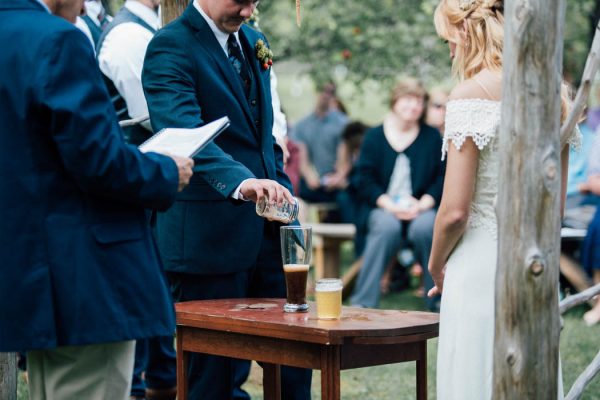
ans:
(527, 317)
(171, 9)
(8, 376)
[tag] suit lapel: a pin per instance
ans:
(208, 40)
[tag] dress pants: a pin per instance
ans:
(384, 239)
(217, 378)
(156, 357)
(97, 371)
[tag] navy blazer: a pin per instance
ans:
(75, 239)
(189, 81)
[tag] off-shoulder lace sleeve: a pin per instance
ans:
(575, 140)
(474, 118)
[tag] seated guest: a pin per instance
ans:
(591, 244)
(400, 178)
(318, 136)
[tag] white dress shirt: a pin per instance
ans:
(122, 54)
(82, 26)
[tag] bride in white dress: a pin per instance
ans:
(463, 256)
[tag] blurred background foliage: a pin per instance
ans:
(382, 39)
(366, 45)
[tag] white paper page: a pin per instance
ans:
(183, 142)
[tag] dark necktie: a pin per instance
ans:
(237, 61)
(102, 19)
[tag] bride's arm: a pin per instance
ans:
(452, 216)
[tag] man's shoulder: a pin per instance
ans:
(252, 34)
(174, 29)
(41, 24)
(39, 32)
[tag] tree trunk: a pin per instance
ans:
(527, 318)
(171, 9)
(8, 376)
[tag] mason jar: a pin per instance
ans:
(286, 212)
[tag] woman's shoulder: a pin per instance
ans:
(485, 85)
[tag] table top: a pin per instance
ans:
(265, 317)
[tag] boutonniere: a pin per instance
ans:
(264, 54)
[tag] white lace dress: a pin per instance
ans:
(465, 349)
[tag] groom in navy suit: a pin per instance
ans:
(202, 66)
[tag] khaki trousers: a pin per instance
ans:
(93, 372)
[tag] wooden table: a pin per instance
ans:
(258, 329)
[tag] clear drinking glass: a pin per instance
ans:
(296, 251)
(328, 293)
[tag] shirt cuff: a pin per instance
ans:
(237, 194)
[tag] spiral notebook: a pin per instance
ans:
(184, 142)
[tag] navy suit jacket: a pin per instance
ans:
(78, 262)
(189, 81)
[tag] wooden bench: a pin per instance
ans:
(327, 241)
(570, 268)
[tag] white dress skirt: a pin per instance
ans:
(466, 339)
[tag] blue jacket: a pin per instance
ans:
(78, 263)
(189, 81)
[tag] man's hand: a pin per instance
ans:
(184, 168)
(256, 189)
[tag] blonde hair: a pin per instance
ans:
(481, 45)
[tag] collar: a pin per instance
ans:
(147, 14)
(44, 5)
(219, 34)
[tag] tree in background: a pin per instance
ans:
(380, 40)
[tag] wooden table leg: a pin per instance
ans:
(271, 381)
(422, 371)
(182, 366)
(330, 373)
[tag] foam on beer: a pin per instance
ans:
(295, 267)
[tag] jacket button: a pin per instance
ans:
(253, 102)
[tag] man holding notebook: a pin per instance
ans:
(73, 194)
(201, 67)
